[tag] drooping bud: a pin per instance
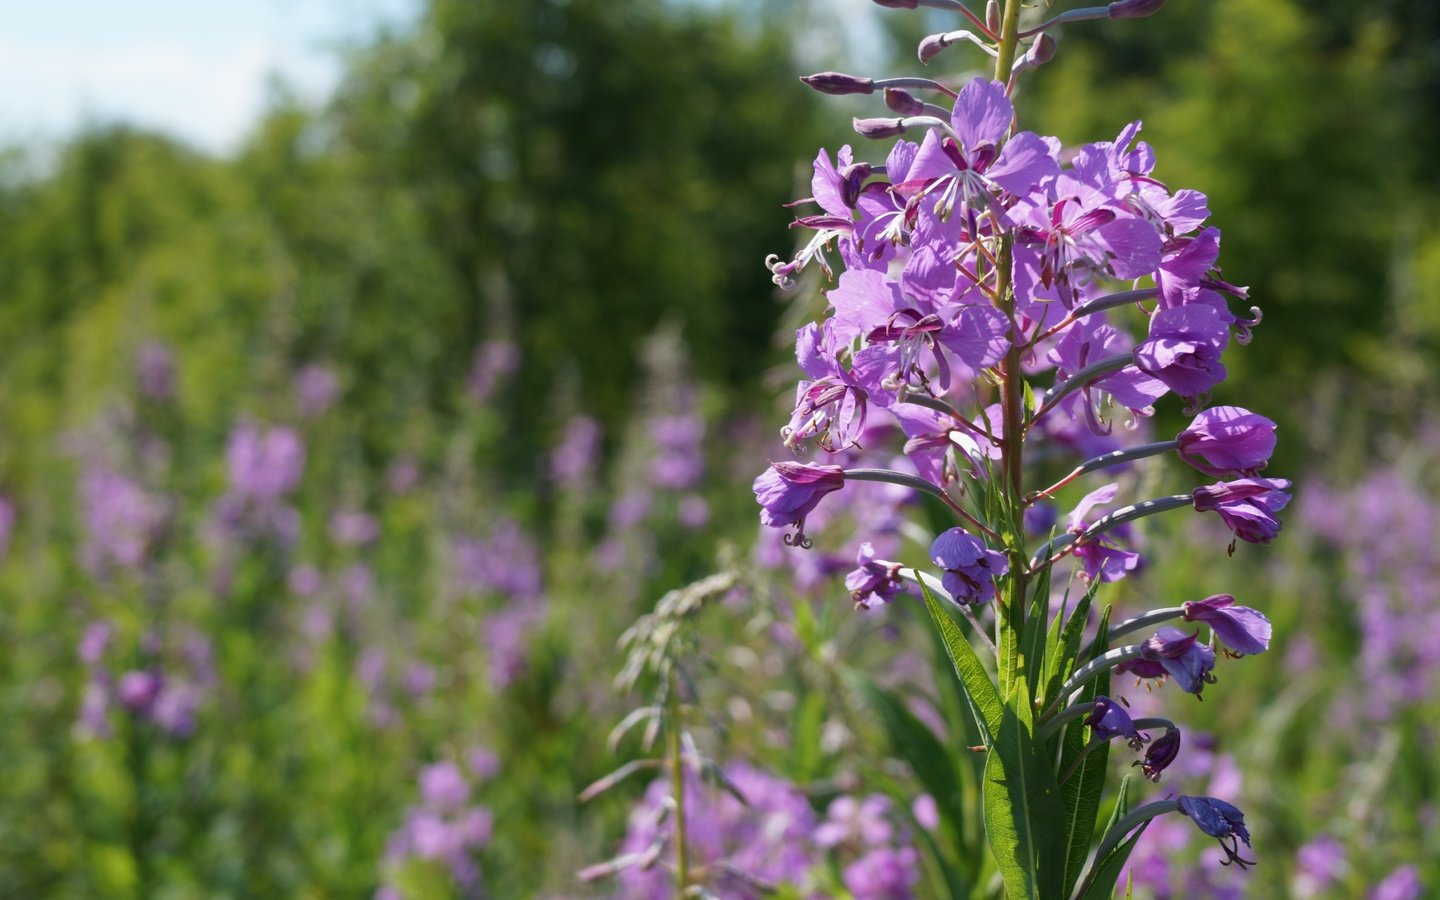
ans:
(931, 46)
(879, 129)
(852, 179)
(904, 102)
(1161, 753)
(838, 83)
(1134, 9)
(1040, 52)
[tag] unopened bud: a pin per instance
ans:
(852, 179)
(931, 46)
(1134, 9)
(904, 102)
(879, 128)
(838, 83)
(992, 16)
(1040, 52)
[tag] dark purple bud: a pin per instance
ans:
(1222, 821)
(1242, 629)
(1134, 9)
(875, 581)
(904, 102)
(1160, 755)
(838, 84)
(970, 567)
(1228, 440)
(790, 491)
(877, 129)
(1109, 720)
(1247, 506)
(852, 179)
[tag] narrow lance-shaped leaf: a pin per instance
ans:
(979, 689)
(1023, 816)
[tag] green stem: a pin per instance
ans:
(677, 788)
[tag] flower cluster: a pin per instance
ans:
(446, 828)
(771, 839)
(163, 691)
(986, 282)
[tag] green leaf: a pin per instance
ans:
(912, 741)
(1032, 644)
(979, 689)
(1102, 882)
(1060, 665)
(1022, 805)
(1083, 786)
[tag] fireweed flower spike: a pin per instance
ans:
(998, 305)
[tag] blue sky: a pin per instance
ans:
(197, 69)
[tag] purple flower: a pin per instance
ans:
(1401, 884)
(353, 528)
(1184, 348)
(790, 491)
(137, 690)
(155, 371)
(1227, 440)
(883, 873)
(1177, 654)
(1222, 821)
(1242, 629)
(875, 581)
(578, 452)
(96, 640)
(1099, 556)
(1247, 506)
(265, 464)
(1160, 754)
(317, 387)
(442, 786)
(1318, 865)
(1109, 720)
(7, 525)
(970, 567)
(494, 361)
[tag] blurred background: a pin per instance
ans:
(366, 368)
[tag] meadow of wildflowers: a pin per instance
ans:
(379, 587)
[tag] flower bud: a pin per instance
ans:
(903, 102)
(838, 83)
(1160, 755)
(878, 129)
(931, 46)
(992, 15)
(1134, 9)
(1040, 52)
